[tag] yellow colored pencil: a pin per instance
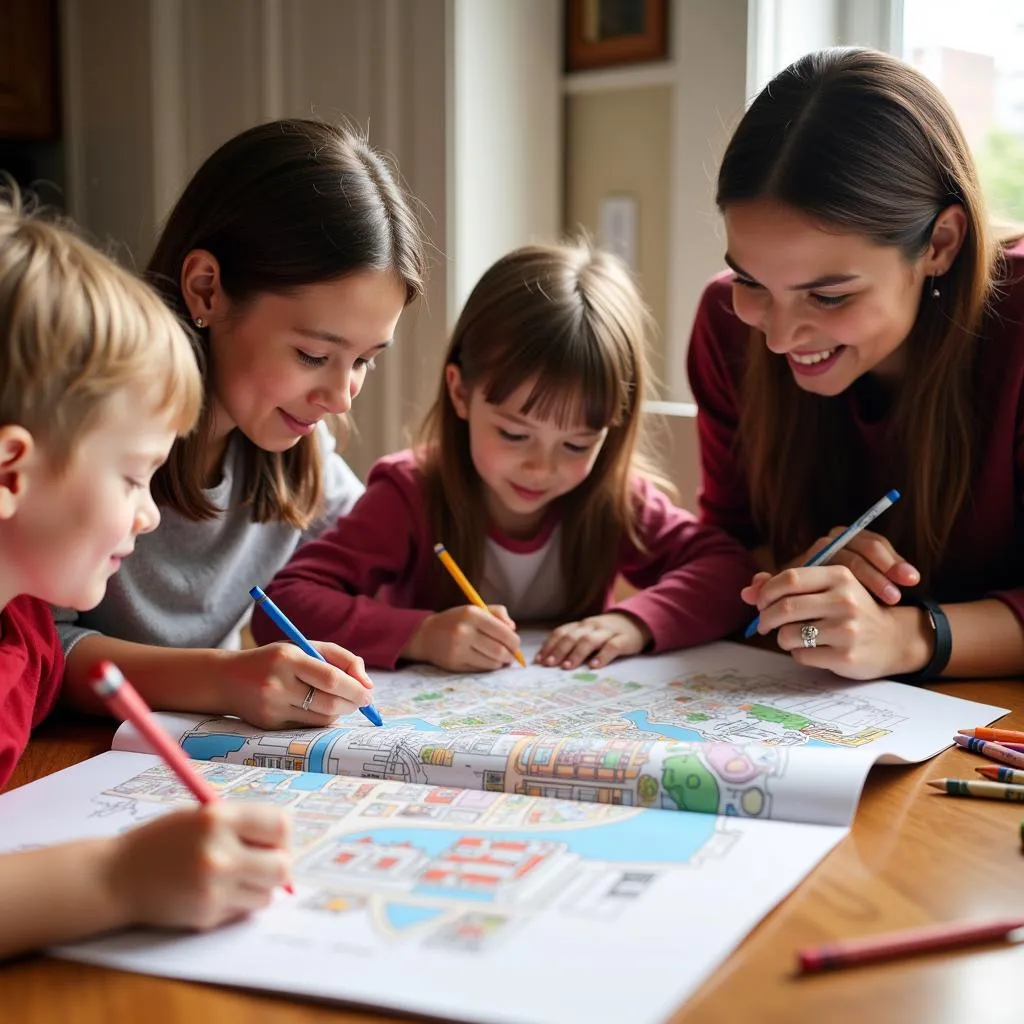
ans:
(467, 588)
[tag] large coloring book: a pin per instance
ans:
(529, 847)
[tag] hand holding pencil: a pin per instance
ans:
(465, 638)
(195, 868)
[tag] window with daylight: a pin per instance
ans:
(975, 54)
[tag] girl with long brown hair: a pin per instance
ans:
(529, 470)
(869, 336)
(289, 258)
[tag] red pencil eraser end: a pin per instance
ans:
(101, 669)
(809, 960)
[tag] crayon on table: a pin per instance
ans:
(291, 631)
(999, 735)
(467, 588)
(907, 942)
(110, 685)
(999, 774)
(972, 787)
(987, 748)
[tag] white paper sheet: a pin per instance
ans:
(460, 904)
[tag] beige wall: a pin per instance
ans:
(620, 142)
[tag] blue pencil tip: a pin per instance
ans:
(893, 495)
(372, 714)
(752, 628)
(255, 593)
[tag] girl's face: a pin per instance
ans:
(834, 305)
(283, 362)
(525, 462)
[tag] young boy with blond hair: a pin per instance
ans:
(97, 378)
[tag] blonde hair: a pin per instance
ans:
(76, 327)
(570, 320)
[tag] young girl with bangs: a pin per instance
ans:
(530, 471)
(289, 259)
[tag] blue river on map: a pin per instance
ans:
(214, 746)
(670, 837)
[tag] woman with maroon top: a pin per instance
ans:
(869, 336)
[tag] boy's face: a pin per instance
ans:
(71, 529)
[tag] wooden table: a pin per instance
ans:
(913, 857)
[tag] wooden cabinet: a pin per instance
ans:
(29, 107)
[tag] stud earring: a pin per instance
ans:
(200, 322)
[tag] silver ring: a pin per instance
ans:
(308, 699)
(809, 632)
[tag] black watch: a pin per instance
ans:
(943, 641)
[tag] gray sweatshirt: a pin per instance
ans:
(187, 583)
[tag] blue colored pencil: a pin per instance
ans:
(289, 629)
(834, 546)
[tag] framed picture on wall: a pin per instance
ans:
(608, 33)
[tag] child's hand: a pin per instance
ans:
(601, 638)
(201, 868)
(465, 639)
(268, 685)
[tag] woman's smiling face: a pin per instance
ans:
(835, 304)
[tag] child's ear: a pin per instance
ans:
(457, 391)
(200, 285)
(16, 449)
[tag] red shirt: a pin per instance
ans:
(31, 669)
(368, 582)
(985, 553)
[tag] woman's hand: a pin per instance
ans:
(856, 636)
(200, 868)
(465, 639)
(266, 686)
(599, 638)
(872, 560)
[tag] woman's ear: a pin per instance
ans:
(457, 391)
(948, 236)
(200, 285)
(17, 447)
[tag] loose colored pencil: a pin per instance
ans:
(999, 774)
(999, 735)
(907, 942)
(995, 751)
(971, 787)
(467, 588)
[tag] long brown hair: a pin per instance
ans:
(569, 319)
(282, 205)
(862, 142)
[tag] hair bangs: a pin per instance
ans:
(574, 381)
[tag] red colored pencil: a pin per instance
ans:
(109, 683)
(890, 945)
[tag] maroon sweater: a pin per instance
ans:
(985, 554)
